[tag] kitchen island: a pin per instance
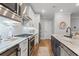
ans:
(71, 44)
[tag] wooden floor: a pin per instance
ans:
(43, 43)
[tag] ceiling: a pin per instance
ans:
(49, 9)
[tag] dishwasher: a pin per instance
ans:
(56, 47)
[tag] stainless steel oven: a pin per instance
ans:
(30, 45)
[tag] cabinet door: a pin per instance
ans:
(24, 47)
(24, 52)
(63, 52)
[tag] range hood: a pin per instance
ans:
(25, 20)
(26, 17)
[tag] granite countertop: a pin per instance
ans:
(71, 43)
(5, 45)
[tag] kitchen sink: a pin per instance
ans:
(72, 40)
(67, 36)
(68, 39)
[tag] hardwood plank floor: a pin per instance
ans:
(43, 43)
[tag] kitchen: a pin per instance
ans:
(39, 29)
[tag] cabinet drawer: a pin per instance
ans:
(24, 47)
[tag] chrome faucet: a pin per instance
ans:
(70, 34)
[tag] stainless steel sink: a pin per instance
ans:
(69, 39)
(67, 36)
(72, 40)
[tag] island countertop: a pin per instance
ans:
(71, 43)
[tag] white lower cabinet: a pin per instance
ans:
(24, 52)
(24, 48)
(66, 51)
(63, 52)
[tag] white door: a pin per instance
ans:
(46, 29)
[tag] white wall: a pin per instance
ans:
(75, 22)
(65, 17)
(46, 28)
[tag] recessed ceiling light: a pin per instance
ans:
(77, 4)
(43, 11)
(61, 10)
